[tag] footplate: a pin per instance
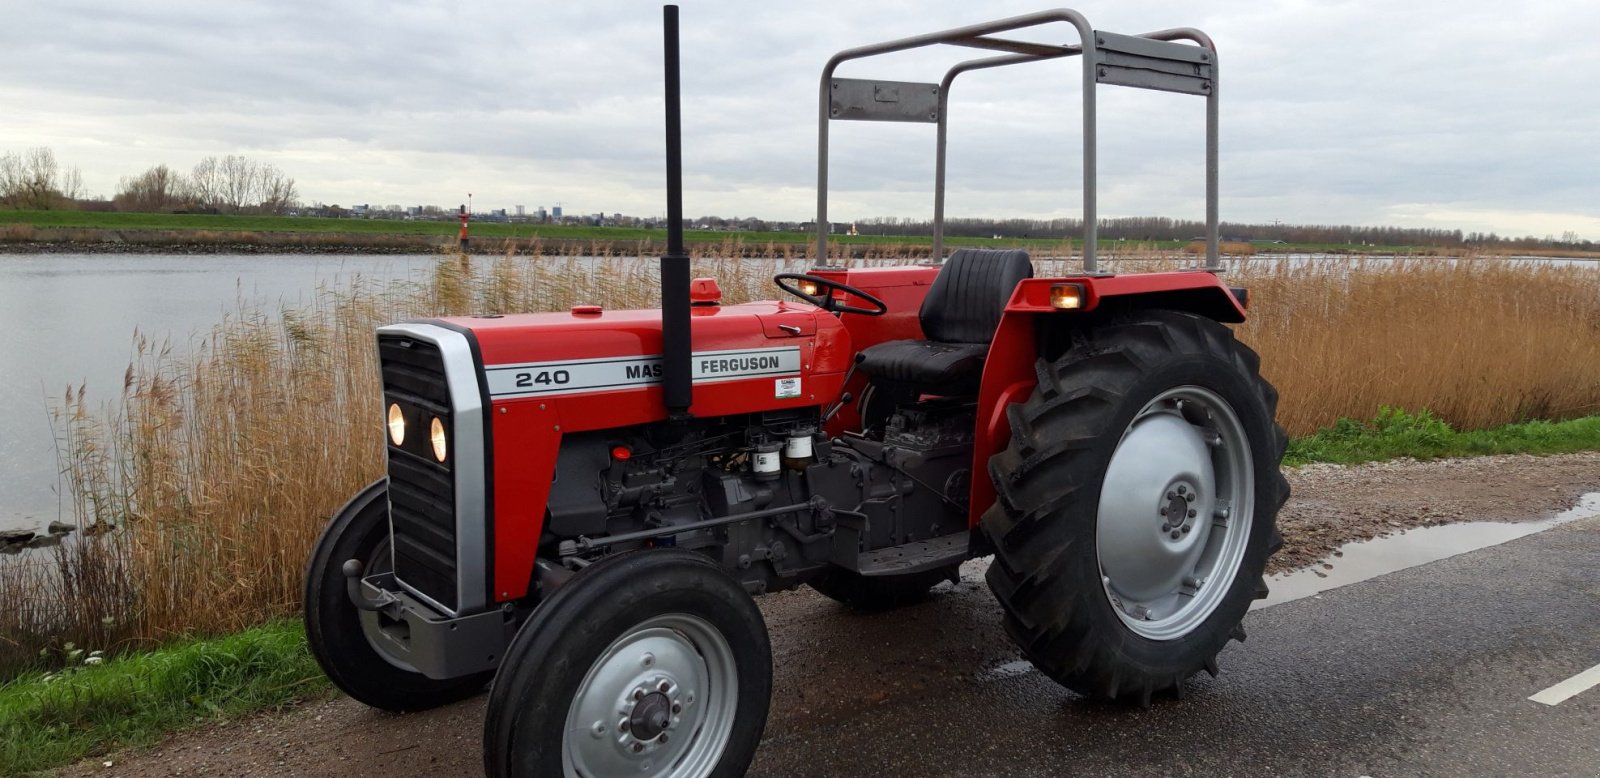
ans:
(915, 557)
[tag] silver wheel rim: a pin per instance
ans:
(1175, 513)
(659, 701)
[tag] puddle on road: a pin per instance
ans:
(1380, 556)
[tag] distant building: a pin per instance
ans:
(555, 213)
(520, 213)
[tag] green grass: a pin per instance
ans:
(224, 223)
(47, 720)
(1395, 433)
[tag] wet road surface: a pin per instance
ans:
(1426, 671)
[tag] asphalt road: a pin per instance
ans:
(1422, 672)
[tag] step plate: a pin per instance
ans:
(915, 557)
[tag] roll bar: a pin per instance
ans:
(1152, 60)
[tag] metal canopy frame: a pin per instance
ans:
(1152, 60)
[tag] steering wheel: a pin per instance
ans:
(826, 301)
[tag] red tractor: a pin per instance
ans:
(580, 505)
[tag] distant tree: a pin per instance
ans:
(277, 193)
(238, 184)
(157, 190)
(33, 180)
(205, 184)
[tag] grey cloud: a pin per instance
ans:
(1350, 111)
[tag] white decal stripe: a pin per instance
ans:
(573, 376)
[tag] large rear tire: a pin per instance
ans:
(360, 530)
(1137, 505)
(651, 663)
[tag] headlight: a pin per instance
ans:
(440, 447)
(809, 287)
(397, 424)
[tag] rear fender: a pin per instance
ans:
(1009, 372)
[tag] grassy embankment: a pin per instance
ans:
(221, 458)
(51, 719)
(88, 227)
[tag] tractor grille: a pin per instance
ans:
(422, 493)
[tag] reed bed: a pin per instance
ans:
(220, 460)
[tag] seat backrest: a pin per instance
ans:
(971, 290)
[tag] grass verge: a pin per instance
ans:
(51, 719)
(1395, 433)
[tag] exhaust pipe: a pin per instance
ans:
(676, 349)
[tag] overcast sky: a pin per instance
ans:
(1464, 114)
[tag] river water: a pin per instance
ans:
(69, 319)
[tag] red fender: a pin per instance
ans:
(1009, 371)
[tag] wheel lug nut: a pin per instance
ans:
(638, 694)
(663, 737)
(623, 725)
(1171, 495)
(1166, 527)
(664, 687)
(1186, 529)
(677, 707)
(1193, 513)
(1175, 534)
(1182, 489)
(637, 747)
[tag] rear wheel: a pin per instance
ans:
(882, 592)
(360, 530)
(1137, 503)
(651, 663)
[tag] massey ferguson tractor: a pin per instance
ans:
(580, 506)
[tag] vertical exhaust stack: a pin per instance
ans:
(676, 376)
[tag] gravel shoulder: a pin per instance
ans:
(813, 638)
(1331, 505)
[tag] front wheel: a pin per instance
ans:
(651, 663)
(360, 530)
(1137, 505)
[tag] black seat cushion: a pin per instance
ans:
(959, 317)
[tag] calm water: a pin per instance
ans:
(70, 319)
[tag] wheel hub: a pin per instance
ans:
(660, 701)
(1185, 459)
(1177, 515)
(651, 716)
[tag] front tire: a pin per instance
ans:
(360, 530)
(1137, 505)
(651, 663)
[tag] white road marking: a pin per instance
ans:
(1572, 687)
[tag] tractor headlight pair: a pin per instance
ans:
(397, 432)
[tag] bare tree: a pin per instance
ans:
(277, 190)
(240, 183)
(205, 184)
(33, 180)
(157, 190)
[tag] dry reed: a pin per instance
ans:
(221, 460)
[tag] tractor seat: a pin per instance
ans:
(959, 317)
